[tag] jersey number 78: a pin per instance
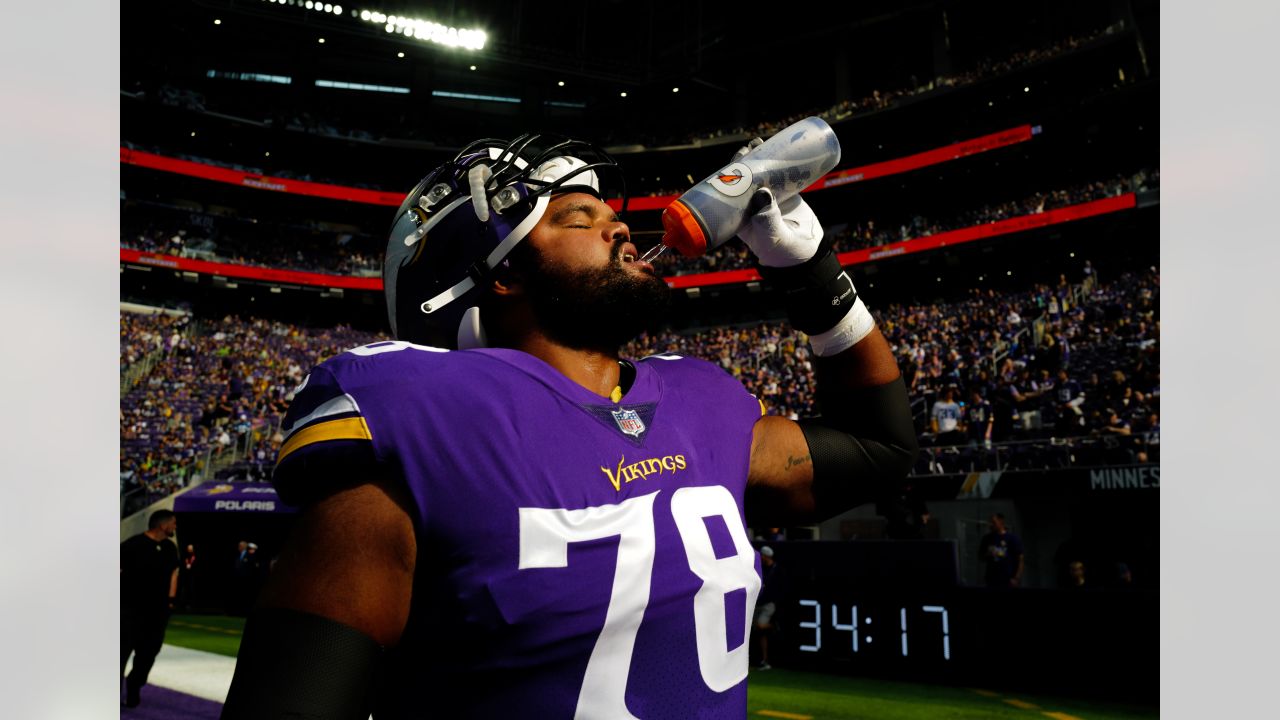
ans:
(545, 534)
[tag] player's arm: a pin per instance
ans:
(338, 595)
(173, 586)
(864, 443)
(341, 588)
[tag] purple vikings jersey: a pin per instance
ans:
(577, 558)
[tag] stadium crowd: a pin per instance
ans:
(143, 334)
(309, 246)
(225, 386)
(1050, 362)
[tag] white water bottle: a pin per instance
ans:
(714, 210)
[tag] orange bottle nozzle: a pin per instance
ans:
(684, 230)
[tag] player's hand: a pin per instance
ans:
(781, 235)
(745, 149)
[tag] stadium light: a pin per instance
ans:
(473, 67)
(1026, 89)
(399, 54)
(309, 4)
(623, 94)
(425, 30)
(675, 89)
(321, 41)
(217, 21)
(561, 83)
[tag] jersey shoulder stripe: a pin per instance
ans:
(344, 404)
(348, 428)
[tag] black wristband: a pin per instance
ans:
(817, 293)
(862, 446)
(297, 665)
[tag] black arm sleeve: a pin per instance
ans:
(301, 666)
(862, 446)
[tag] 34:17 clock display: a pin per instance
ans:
(856, 630)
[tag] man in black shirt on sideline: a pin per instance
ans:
(148, 584)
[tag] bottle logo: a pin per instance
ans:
(733, 180)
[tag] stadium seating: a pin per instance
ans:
(216, 399)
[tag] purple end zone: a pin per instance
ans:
(163, 704)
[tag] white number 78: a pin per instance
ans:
(545, 534)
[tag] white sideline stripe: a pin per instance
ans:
(341, 404)
(194, 672)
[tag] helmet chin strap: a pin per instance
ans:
(499, 254)
(471, 332)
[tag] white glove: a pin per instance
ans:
(780, 235)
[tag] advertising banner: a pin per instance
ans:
(231, 497)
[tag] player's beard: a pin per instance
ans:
(594, 309)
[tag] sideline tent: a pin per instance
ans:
(215, 517)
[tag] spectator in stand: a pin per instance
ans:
(978, 420)
(1069, 396)
(946, 419)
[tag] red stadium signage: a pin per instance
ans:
(728, 277)
(933, 242)
(249, 272)
(259, 182)
(954, 151)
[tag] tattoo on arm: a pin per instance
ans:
(793, 461)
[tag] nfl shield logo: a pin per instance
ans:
(629, 422)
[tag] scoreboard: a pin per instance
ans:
(896, 609)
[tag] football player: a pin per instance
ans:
(503, 517)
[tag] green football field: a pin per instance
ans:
(793, 695)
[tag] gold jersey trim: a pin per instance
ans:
(352, 428)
